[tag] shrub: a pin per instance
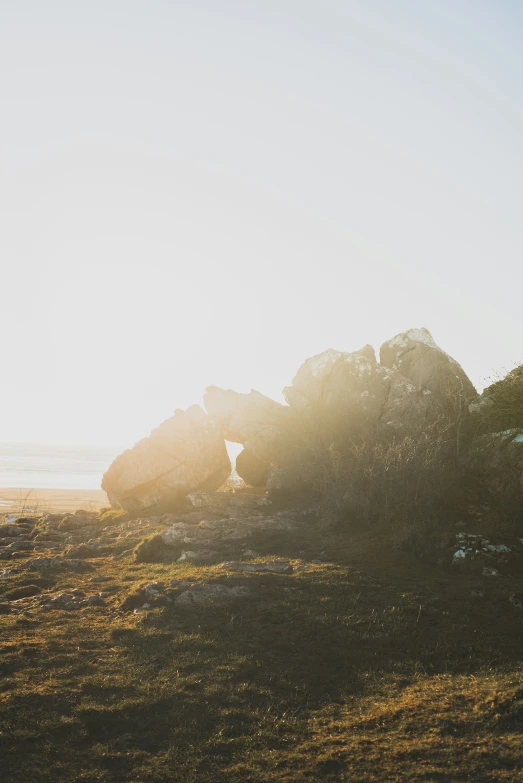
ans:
(504, 402)
(110, 515)
(150, 550)
(363, 476)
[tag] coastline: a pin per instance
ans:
(41, 501)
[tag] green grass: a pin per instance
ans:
(373, 667)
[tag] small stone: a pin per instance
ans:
(6, 572)
(494, 548)
(96, 600)
(141, 609)
(275, 567)
(490, 571)
(208, 594)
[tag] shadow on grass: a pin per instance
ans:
(197, 689)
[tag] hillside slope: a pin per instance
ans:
(351, 658)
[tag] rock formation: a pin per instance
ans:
(253, 419)
(185, 453)
(417, 357)
(252, 470)
(351, 394)
(357, 390)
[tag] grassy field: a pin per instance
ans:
(372, 666)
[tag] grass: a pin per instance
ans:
(371, 667)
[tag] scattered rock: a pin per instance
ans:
(142, 608)
(20, 546)
(57, 564)
(83, 551)
(95, 600)
(473, 547)
(10, 530)
(152, 550)
(25, 591)
(275, 567)
(199, 557)
(208, 594)
(6, 572)
(490, 571)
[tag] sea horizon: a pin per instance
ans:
(53, 466)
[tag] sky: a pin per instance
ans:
(206, 192)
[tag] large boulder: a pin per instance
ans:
(417, 357)
(357, 392)
(253, 419)
(185, 453)
(252, 470)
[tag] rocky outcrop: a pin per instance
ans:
(253, 419)
(347, 394)
(358, 391)
(496, 460)
(500, 407)
(185, 453)
(417, 357)
(252, 470)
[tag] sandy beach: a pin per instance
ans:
(41, 501)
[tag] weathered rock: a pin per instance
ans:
(185, 453)
(416, 356)
(199, 557)
(252, 470)
(223, 501)
(357, 393)
(95, 600)
(25, 591)
(10, 530)
(253, 419)
(57, 564)
(368, 352)
(273, 567)
(20, 546)
(210, 594)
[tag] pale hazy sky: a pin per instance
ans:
(206, 192)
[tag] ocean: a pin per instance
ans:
(38, 466)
